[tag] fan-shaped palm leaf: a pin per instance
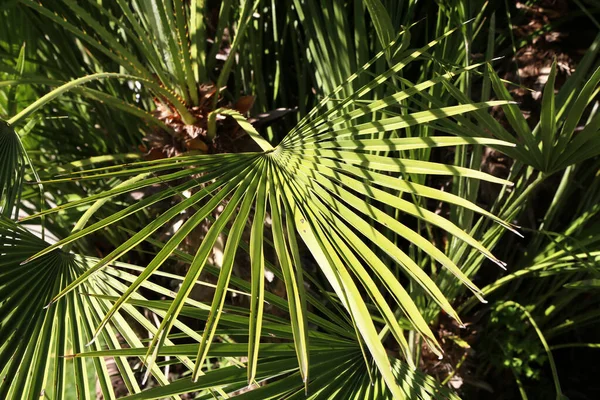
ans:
(316, 182)
(35, 338)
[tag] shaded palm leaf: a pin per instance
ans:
(35, 338)
(12, 166)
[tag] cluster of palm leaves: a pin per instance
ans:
(132, 178)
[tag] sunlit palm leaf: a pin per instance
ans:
(324, 181)
(348, 183)
(336, 365)
(311, 176)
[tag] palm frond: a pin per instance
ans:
(307, 184)
(37, 338)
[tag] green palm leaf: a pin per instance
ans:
(42, 339)
(324, 183)
(310, 192)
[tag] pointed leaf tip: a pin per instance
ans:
(515, 229)
(146, 376)
(496, 261)
(92, 341)
(479, 296)
(512, 227)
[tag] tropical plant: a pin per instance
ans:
(142, 158)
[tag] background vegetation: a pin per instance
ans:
(262, 199)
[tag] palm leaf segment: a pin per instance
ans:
(322, 182)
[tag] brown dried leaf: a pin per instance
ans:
(244, 104)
